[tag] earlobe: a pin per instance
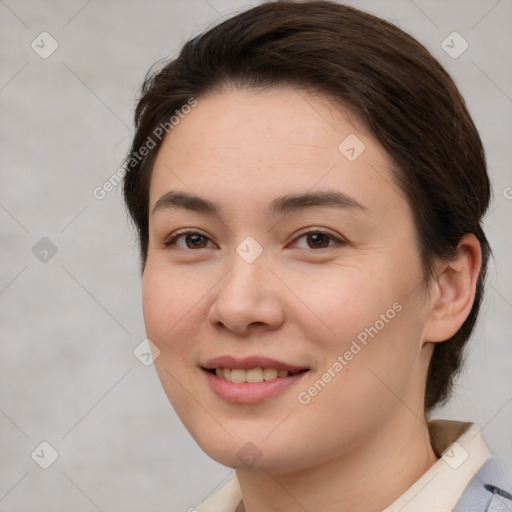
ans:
(453, 291)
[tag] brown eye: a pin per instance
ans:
(196, 241)
(193, 240)
(320, 240)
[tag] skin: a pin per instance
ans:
(296, 302)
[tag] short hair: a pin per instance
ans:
(399, 90)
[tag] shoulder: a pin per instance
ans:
(490, 490)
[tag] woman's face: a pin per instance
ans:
(329, 286)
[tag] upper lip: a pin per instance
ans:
(246, 363)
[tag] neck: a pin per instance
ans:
(369, 478)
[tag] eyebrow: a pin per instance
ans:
(278, 206)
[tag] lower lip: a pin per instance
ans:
(250, 393)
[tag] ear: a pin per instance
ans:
(452, 292)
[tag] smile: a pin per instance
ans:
(251, 379)
(252, 375)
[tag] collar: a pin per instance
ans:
(462, 451)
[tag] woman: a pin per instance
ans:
(308, 188)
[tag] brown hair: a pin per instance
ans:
(402, 94)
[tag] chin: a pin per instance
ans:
(243, 454)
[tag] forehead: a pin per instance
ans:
(276, 119)
(252, 145)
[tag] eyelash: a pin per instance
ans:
(338, 241)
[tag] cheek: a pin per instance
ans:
(367, 329)
(168, 301)
(156, 304)
(346, 304)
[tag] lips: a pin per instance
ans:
(250, 379)
(249, 363)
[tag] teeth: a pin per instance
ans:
(237, 375)
(253, 375)
(270, 374)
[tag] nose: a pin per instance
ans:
(249, 299)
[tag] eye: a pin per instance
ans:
(193, 240)
(316, 239)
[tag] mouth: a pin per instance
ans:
(250, 380)
(253, 375)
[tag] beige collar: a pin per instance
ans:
(462, 451)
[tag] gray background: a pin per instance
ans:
(68, 375)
